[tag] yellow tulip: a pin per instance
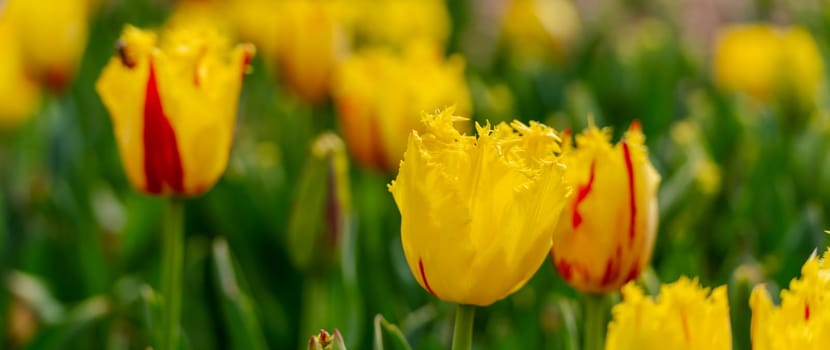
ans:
(606, 235)
(802, 321)
(53, 37)
(764, 61)
(380, 96)
(399, 22)
(21, 94)
(310, 42)
(477, 213)
(536, 29)
(685, 316)
(173, 106)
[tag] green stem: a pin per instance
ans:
(462, 338)
(173, 232)
(595, 321)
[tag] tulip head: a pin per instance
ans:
(326, 341)
(764, 61)
(540, 29)
(173, 101)
(399, 22)
(684, 316)
(477, 213)
(52, 37)
(21, 92)
(607, 232)
(380, 96)
(802, 321)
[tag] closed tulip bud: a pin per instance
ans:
(380, 97)
(477, 213)
(322, 205)
(22, 94)
(764, 61)
(606, 234)
(53, 37)
(802, 321)
(684, 316)
(326, 341)
(173, 106)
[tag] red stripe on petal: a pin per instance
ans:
(424, 278)
(582, 193)
(162, 163)
(632, 203)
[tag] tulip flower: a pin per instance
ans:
(326, 341)
(400, 22)
(764, 61)
(380, 96)
(173, 106)
(477, 212)
(536, 29)
(684, 316)
(311, 40)
(52, 37)
(802, 320)
(13, 80)
(606, 234)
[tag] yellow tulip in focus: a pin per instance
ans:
(607, 232)
(21, 94)
(764, 61)
(685, 316)
(310, 42)
(381, 95)
(53, 37)
(173, 101)
(476, 213)
(540, 28)
(802, 321)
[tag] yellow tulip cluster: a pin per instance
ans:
(802, 321)
(684, 316)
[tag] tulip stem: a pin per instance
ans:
(462, 338)
(171, 284)
(594, 321)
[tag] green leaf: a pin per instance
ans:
(388, 335)
(242, 322)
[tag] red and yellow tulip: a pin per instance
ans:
(173, 101)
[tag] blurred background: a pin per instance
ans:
(301, 233)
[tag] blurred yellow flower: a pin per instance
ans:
(477, 213)
(173, 106)
(765, 61)
(685, 316)
(53, 37)
(399, 22)
(802, 321)
(539, 29)
(21, 94)
(606, 235)
(380, 96)
(311, 40)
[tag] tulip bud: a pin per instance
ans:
(684, 316)
(322, 205)
(326, 341)
(606, 234)
(13, 79)
(802, 320)
(173, 106)
(477, 212)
